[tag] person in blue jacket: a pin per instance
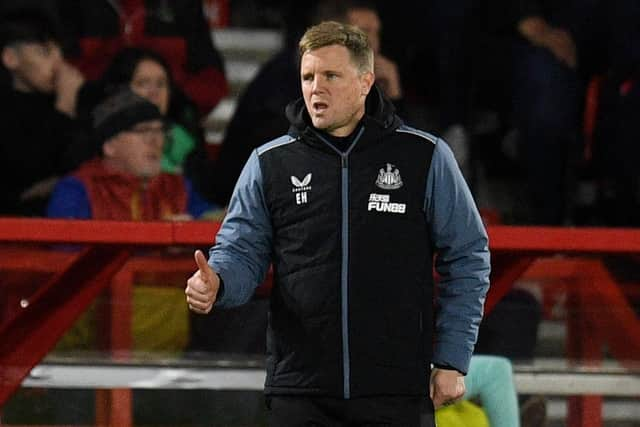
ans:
(353, 209)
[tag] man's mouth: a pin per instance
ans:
(319, 107)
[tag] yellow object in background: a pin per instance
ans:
(160, 323)
(462, 414)
(160, 319)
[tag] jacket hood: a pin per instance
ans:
(379, 113)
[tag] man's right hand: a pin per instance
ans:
(202, 287)
(446, 386)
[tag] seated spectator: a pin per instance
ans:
(40, 138)
(148, 74)
(127, 183)
(546, 103)
(175, 29)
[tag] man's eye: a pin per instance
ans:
(332, 76)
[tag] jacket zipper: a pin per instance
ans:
(344, 278)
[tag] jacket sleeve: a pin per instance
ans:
(69, 199)
(462, 260)
(242, 251)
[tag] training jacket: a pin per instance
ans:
(351, 234)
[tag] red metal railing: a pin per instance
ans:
(35, 319)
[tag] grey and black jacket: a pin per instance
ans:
(353, 235)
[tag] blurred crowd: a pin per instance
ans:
(536, 98)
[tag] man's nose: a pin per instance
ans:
(316, 85)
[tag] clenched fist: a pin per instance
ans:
(202, 288)
(446, 387)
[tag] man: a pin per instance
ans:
(351, 207)
(126, 182)
(40, 138)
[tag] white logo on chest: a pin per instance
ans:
(382, 203)
(389, 179)
(301, 188)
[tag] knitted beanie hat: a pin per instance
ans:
(121, 112)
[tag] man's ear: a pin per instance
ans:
(10, 58)
(366, 81)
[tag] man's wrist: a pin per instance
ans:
(445, 367)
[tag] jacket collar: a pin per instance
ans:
(379, 118)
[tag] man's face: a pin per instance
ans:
(333, 88)
(137, 151)
(369, 22)
(34, 65)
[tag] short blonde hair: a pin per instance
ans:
(330, 33)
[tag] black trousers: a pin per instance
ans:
(296, 411)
